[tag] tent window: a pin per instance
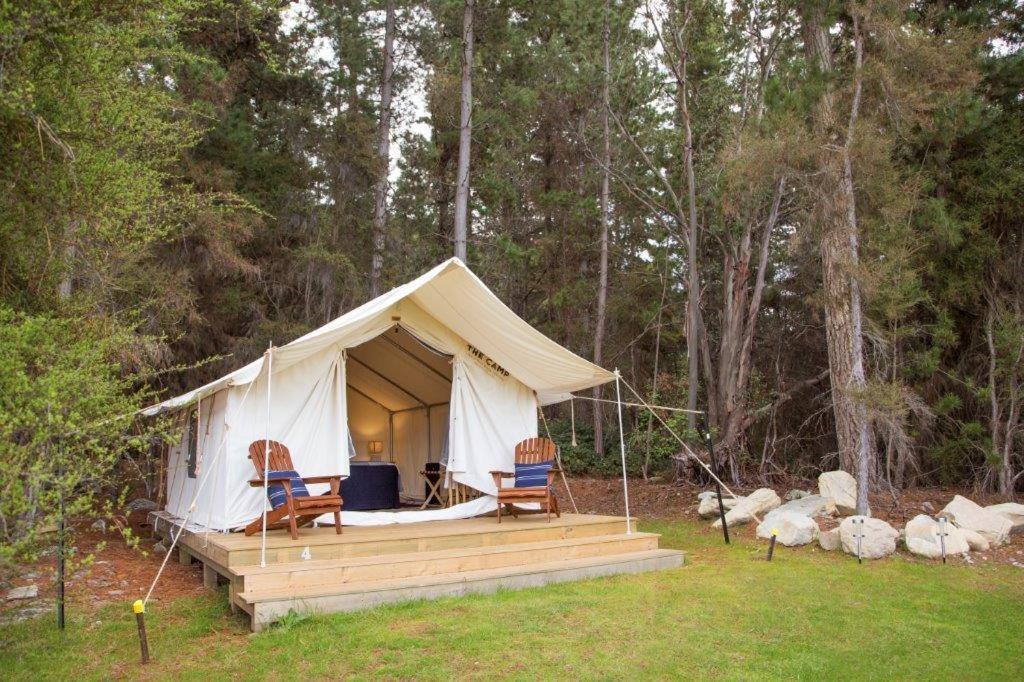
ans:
(193, 442)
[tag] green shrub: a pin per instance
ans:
(63, 402)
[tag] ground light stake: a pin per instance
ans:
(140, 620)
(718, 487)
(860, 536)
(771, 543)
(942, 537)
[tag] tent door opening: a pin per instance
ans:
(398, 391)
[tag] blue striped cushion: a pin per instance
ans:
(533, 475)
(275, 491)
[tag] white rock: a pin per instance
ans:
(761, 500)
(706, 494)
(736, 516)
(23, 592)
(829, 540)
(1011, 511)
(966, 514)
(708, 508)
(922, 538)
(812, 505)
(755, 504)
(975, 540)
(879, 537)
(841, 487)
(794, 529)
(160, 548)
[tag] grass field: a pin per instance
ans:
(726, 614)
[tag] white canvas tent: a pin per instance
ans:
(440, 355)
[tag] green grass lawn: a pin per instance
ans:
(727, 613)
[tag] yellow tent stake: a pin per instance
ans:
(139, 608)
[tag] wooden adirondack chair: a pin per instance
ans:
(530, 451)
(296, 511)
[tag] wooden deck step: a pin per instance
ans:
(269, 605)
(323, 543)
(373, 568)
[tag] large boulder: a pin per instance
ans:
(829, 540)
(975, 540)
(762, 500)
(793, 529)
(842, 488)
(708, 507)
(922, 538)
(879, 537)
(812, 505)
(753, 505)
(1011, 511)
(967, 514)
(736, 516)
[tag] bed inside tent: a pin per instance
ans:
(398, 393)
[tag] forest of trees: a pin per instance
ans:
(802, 216)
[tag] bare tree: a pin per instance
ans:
(380, 205)
(465, 133)
(602, 285)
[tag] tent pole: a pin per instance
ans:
(266, 457)
(622, 453)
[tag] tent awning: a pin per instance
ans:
(457, 299)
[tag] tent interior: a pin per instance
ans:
(398, 391)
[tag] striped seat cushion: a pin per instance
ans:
(533, 475)
(275, 491)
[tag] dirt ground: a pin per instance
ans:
(120, 573)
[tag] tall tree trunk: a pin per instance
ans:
(693, 276)
(836, 215)
(465, 134)
(602, 285)
(380, 205)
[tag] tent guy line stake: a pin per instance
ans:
(718, 488)
(622, 452)
(771, 543)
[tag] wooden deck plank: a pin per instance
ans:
(269, 607)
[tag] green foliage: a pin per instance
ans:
(65, 409)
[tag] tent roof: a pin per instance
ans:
(398, 372)
(459, 300)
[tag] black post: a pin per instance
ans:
(718, 487)
(60, 540)
(771, 545)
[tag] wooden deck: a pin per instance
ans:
(324, 572)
